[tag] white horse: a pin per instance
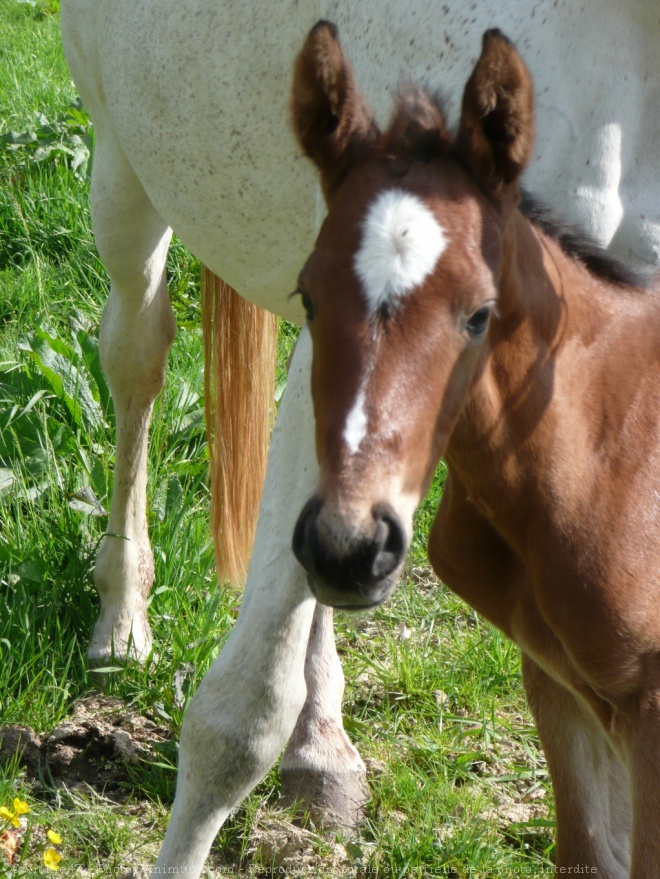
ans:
(190, 105)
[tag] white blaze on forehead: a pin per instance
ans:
(401, 243)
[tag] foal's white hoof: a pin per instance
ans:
(332, 800)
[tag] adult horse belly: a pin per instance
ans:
(198, 95)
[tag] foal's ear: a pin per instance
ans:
(330, 116)
(496, 131)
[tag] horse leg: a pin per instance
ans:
(247, 705)
(320, 767)
(137, 329)
(589, 780)
(641, 738)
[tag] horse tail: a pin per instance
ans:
(240, 342)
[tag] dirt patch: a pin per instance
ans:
(280, 848)
(94, 747)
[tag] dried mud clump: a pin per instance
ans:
(94, 747)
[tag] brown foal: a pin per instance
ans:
(446, 322)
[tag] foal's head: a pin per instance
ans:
(400, 292)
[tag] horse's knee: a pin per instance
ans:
(231, 736)
(234, 731)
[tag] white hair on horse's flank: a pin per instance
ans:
(401, 243)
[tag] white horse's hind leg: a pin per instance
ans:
(320, 767)
(248, 703)
(137, 330)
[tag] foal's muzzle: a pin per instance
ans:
(347, 568)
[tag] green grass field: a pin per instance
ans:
(434, 699)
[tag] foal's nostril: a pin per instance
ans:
(389, 541)
(346, 562)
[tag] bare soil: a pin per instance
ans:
(94, 747)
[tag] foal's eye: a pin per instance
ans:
(478, 323)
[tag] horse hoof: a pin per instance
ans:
(119, 638)
(334, 801)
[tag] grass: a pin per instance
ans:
(434, 699)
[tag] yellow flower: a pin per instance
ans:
(20, 807)
(12, 817)
(54, 837)
(52, 859)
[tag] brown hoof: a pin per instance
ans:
(331, 801)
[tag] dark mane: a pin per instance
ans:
(578, 245)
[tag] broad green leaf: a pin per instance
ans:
(85, 501)
(33, 570)
(98, 478)
(55, 361)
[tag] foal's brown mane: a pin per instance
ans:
(418, 133)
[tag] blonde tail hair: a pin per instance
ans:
(240, 342)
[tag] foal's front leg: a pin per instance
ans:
(641, 738)
(247, 705)
(590, 783)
